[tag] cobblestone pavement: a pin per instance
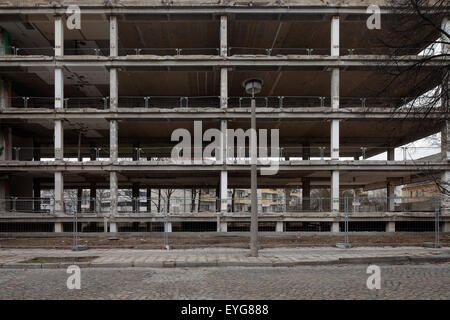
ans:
(278, 255)
(425, 281)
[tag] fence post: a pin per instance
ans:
(75, 229)
(347, 245)
(436, 222)
(166, 228)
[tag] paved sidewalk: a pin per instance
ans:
(10, 258)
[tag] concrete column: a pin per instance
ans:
(335, 226)
(446, 227)
(223, 227)
(223, 87)
(93, 197)
(59, 36)
(113, 227)
(113, 89)
(135, 196)
(391, 154)
(59, 88)
(306, 193)
(59, 140)
(79, 198)
(334, 134)
(149, 200)
(335, 36)
(223, 36)
(59, 52)
(113, 37)
(113, 52)
(390, 226)
(335, 191)
(3, 195)
(59, 193)
(390, 196)
(113, 140)
(92, 152)
(5, 90)
(114, 192)
(223, 191)
(36, 151)
(59, 227)
(306, 151)
(279, 226)
(36, 195)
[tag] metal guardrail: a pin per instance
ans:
(232, 50)
(171, 102)
(234, 155)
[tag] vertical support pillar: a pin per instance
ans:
(335, 226)
(113, 125)
(5, 94)
(36, 195)
(79, 198)
(223, 191)
(390, 195)
(59, 227)
(335, 191)
(59, 36)
(223, 36)
(306, 193)
(93, 197)
(390, 226)
(3, 195)
(335, 106)
(114, 192)
(135, 196)
(306, 151)
(59, 193)
(113, 140)
(149, 200)
(59, 140)
(279, 226)
(391, 154)
(113, 52)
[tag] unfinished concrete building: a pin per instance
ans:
(92, 110)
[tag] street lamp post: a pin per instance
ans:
(253, 86)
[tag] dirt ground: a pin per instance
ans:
(193, 240)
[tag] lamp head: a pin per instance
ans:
(253, 86)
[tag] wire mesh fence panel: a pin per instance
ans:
(359, 220)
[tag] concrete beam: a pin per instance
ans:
(293, 166)
(262, 12)
(194, 62)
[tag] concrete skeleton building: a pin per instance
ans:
(94, 108)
